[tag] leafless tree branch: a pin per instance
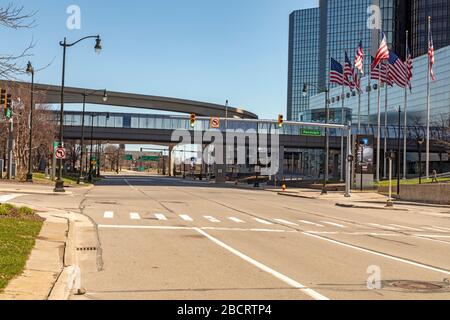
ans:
(12, 16)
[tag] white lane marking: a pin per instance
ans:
(434, 229)
(160, 217)
(432, 236)
(9, 197)
(286, 222)
(263, 221)
(430, 239)
(234, 219)
(311, 223)
(333, 224)
(103, 226)
(185, 217)
(311, 293)
(211, 219)
(108, 215)
(406, 228)
(382, 227)
(190, 228)
(446, 229)
(135, 216)
(416, 264)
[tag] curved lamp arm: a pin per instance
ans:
(64, 44)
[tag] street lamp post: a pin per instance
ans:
(327, 138)
(420, 142)
(30, 70)
(85, 95)
(59, 186)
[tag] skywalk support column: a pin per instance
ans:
(171, 161)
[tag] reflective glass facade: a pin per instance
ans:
(303, 59)
(440, 95)
(439, 10)
(345, 26)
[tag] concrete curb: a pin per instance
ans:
(353, 206)
(287, 194)
(44, 265)
(28, 191)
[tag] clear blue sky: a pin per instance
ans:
(207, 50)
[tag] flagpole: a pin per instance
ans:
(379, 128)
(405, 130)
(342, 132)
(385, 129)
(368, 93)
(359, 112)
(428, 103)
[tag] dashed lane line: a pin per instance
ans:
(234, 219)
(293, 283)
(160, 217)
(108, 215)
(135, 216)
(185, 217)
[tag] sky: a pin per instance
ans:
(205, 50)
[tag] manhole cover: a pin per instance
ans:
(414, 285)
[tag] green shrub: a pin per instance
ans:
(6, 209)
(25, 211)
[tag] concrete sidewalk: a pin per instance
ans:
(44, 264)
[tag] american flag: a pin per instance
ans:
(336, 72)
(398, 71)
(382, 53)
(409, 65)
(359, 59)
(381, 73)
(431, 57)
(348, 73)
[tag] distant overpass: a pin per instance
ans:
(131, 100)
(157, 129)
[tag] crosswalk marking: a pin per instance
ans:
(135, 216)
(9, 197)
(108, 215)
(185, 217)
(286, 222)
(263, 221)
(311, 223)
(404, 227)
(211, 219)
(333, 224)
(160, 217)
(234, 219)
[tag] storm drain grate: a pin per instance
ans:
(87, 249)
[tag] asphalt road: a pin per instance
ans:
(164, 238)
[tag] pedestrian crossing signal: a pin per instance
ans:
(280, 121)
(193, 120)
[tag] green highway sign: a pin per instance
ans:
(311, 132)
(149, 158)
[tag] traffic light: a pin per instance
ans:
(193, 120)
(8, 108)
(3, 99)
(280, 121)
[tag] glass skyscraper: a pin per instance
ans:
(439, 10)
(317, 34)
(303, 59)
(344, 25)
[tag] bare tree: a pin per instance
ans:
(44, 128)
(14, 17)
